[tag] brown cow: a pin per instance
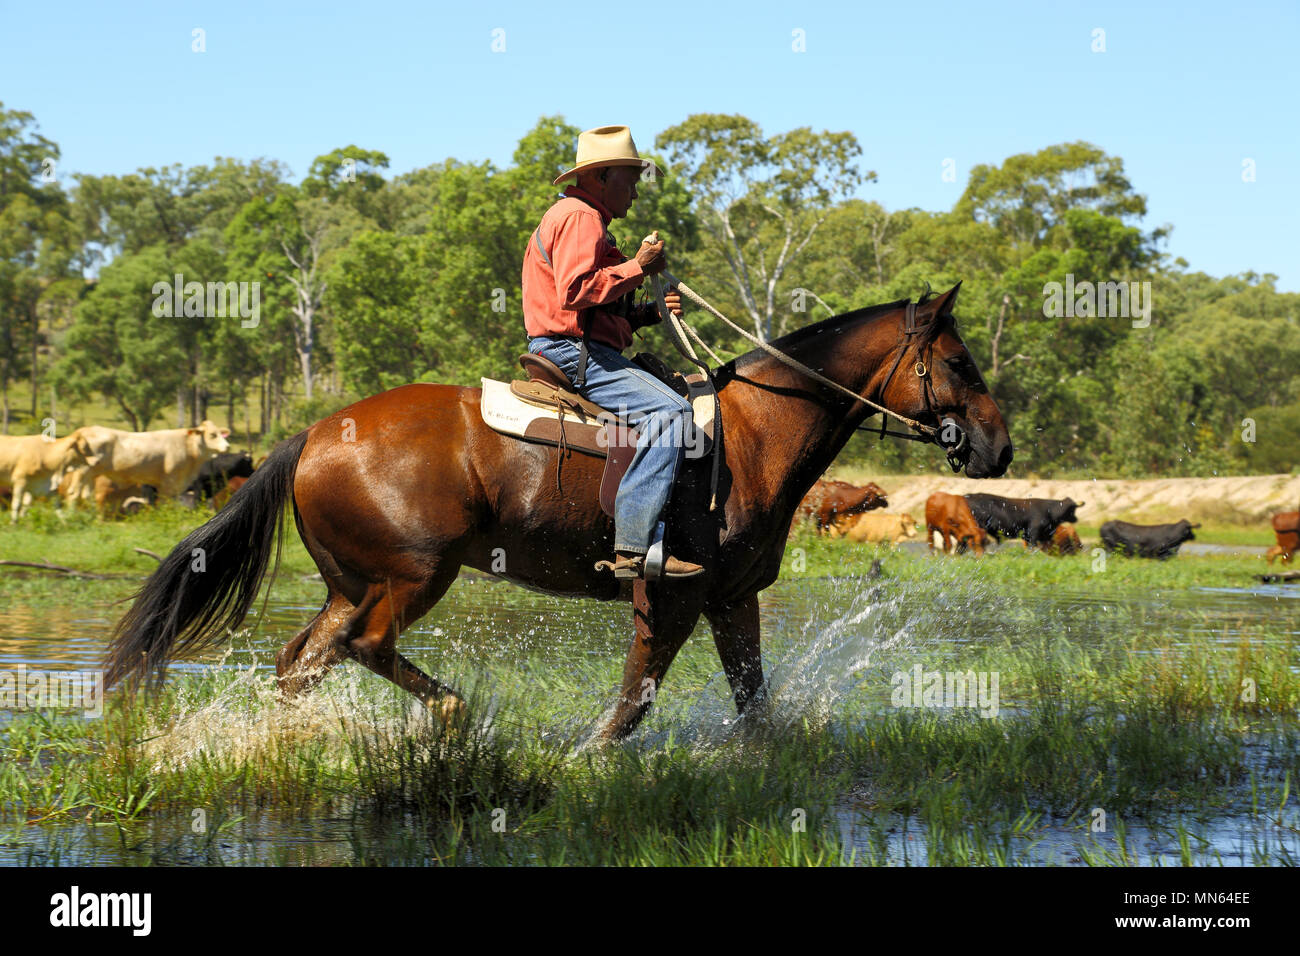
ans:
(110, 498)
(1286, 527)
(221, 497)
(950, 516)
(877, 528)
(1065, 540)
(827, 500)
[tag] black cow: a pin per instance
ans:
(1034, 519)
(1146, 540)
(215, 472)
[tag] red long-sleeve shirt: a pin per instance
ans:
(585, 271)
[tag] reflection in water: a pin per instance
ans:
(52, 638)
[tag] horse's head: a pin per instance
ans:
(936, 382)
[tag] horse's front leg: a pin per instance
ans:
(736, 635)
(664, 618)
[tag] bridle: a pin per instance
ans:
(954, 446)
(949, 436)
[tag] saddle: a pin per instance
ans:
(547, 411)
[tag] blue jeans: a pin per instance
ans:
(664, 424)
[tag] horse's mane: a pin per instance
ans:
(793, 339)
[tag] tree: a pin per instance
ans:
(289, 240)
(351, 176)
(169, 205)
(760, 200)
(1027, 197)
(120, 349)
(37, 245)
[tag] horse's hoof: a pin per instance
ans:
(449, 709)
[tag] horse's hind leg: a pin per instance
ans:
(305, 660)
(370, 636)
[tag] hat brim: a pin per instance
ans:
(598, 163)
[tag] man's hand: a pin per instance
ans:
(648, 314)
(673, 299)
(651, 257)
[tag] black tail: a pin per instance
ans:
(206, 585)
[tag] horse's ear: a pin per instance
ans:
(941, 305)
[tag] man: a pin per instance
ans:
(578, 312)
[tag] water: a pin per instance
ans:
(827, 641)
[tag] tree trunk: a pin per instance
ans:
(4, 391)
(36, 328)
(997, 336)
(305, 359)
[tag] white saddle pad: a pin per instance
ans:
(506, 412)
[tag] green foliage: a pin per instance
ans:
(1276, 444)
(119, 348)
(1028, 197)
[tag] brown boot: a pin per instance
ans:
(677, 568)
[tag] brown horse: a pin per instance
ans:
(393, 495)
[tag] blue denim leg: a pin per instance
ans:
(663, 420)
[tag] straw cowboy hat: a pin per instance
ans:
(606, 146)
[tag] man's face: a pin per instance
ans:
(619, 188)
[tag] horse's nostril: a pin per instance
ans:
(1004, 459)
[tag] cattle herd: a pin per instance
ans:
(122, 471)
(958, 523)
(125, 471)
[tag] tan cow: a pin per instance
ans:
(26, 460)
(874, 528)
(167, 460)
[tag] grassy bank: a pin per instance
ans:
(807, 553)
(81, 541)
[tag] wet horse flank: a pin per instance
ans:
(395, 494)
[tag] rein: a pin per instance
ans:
(678, 329)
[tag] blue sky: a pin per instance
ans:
(1184, 92)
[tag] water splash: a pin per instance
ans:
(853, 635)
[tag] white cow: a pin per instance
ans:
(26, 460)
(168, 460)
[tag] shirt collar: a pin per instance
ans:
(577, 192)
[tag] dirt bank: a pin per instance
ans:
(1243, 500)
